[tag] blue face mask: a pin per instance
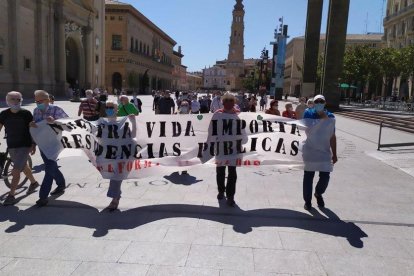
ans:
(110, 112)
(41, 106)
(319, 107)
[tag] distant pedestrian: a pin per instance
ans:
(289, 113)
(274, 108)
(195, 106)
(319, 151)
(263, 102)
(155, 107)
(136, 102)
(300, 109)
(87, 107)
(166, 104)
(253, 104)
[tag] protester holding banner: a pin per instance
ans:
(229, 102)
(126, 108)
(273, 109)
(50, 113)
(88, 107)
(114, 190)
(16, 122)
(319, 151)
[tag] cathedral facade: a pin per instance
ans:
(51, 45)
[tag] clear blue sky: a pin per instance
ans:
(202, 27)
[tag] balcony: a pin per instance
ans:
(400, 12)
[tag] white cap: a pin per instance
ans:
(319, 97)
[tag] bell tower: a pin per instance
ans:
(235, 60)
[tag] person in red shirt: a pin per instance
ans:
(289, 113)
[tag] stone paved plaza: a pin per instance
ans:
(173, 224)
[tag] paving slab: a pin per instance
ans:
(31, 267)
(173, 254)
(110, 269)
(163, 270)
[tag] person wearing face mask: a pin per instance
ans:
(16, 122)
(114, 190)
(289, 113)
(216, 104)
(88, 107)
(273, 109)
(45, 111)
(229, 102)
(126, 108)
(319, 151)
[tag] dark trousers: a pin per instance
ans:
(52, 172)
(308, 184)
(230, 189)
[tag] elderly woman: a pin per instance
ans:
(289, 113)
(114, 190)
(273, 109)
(126, 107)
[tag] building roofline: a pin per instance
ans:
(138, 15)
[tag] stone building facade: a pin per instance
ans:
(194, 81)
(295, 53)
(215, 78)
(50, 45)
(179, 72)
(399, 23)
(136, 45)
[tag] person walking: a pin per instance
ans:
(319, 151)
(229, 102)
(16, 122)
(50, 113)
(273, 108)
(166, 104)
(87, 107)
(216, 104)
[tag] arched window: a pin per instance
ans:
(136, 45)
(132, 44)
(140, 46)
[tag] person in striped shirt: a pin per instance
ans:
(88, 107)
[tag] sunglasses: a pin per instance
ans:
(319, 101)
(110, 107)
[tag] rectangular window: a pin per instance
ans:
(96, 59)
(1, 60)
(116, 42)
(27, 64)
(112, 17)
(120, 18)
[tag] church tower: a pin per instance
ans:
(235, 60)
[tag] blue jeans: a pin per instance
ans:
(114, 190)
(308, 184)
(52, 172)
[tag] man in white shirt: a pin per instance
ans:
(195, 106)
(216, 104)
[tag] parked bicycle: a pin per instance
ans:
(6, 167)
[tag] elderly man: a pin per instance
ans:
(126, 108)
(319, 151)
(16, 122)
(88, 107)
(50, 113)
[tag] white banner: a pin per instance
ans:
(161, 144)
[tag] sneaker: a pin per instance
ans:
(320, 201)
(10, 200)
(308, 206)
(32, 188)
(231, 202)
(58, 191)
(42, 202)
(220, 196)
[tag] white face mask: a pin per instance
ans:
(15, 106)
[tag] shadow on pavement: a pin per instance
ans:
(81, 215)
(183, 179)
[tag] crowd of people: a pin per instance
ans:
(17, 122)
